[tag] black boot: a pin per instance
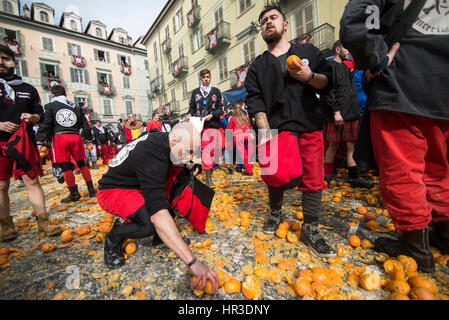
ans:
(94, 166)
(88, 165)
(230, 170)
(73, 196)
(414, 244)
(209, 178)
(359, 183)
(311, 238)
(439, 236)
(113, 256)
(90, 187)
(272, 222)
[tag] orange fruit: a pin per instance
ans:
(303, 287)
(422, 282)
(83, 230)
(245, 214)
(370, 280)
(232, 286)
(4, 251)
(290, 61)
(193, 281)
(207, 243)
(66, 236)
(398, 296)
(358, 195)
(245, 222)
(354, 241)
(419, 293)
(130, 248)
(48, 247)
(252, 288)
(320, 275)
(3, 259)
(284, 225)
(391, 265)
(291, 237)
(104, 228)
(42, 154)
(400, 286)
(281, 233)
(336, 260)
(99, 237)
(306, 274)
(361, 210)
(209, 288)
(408, 263)
(366, 244)
(221, 276)
(372, 225)
(369, 216)
(398, 275)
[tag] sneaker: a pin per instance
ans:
(247, 173)
(312, 239)
(113, 257)
(230, 170)
(272, 223)
(358, 183)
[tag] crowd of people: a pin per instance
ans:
(308, 105)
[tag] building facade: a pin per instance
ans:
(105, 74)
(224, 37)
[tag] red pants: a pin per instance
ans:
(411, 153)
(112, 201)
(312, 152)
(7, 166)
(105, 154)
(210, 147)
(66, 146)
(245, 153)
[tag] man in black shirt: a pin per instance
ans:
(102, 140)
(285, 99)
(134, 188)
(19, 101)
(342, 121)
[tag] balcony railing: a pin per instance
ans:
(47, 81)
(106, 89)
(156, 85)
(175, 107)
(166, 46)
(180, 66)
(237, 76)
(322, 37)
(194, 16)
(218, 37)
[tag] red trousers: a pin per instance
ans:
(68, 146)
(245, 152)
(411, 153)
(105, 154)
(211, 145)
(312, 152)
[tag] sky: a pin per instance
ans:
(135, 16)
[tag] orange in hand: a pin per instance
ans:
(290, 61)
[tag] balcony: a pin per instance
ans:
(237, 76)
(156, 85)
(175, 107)
(218, 37)
(194, 16)
(180, 66)
(166, 46)
(322, 37)
(106, 89)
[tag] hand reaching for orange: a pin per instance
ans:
(291, 62)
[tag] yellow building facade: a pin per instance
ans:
(224, 37)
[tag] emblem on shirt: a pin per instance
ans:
(66, 118)
(434, 18)
(306, 61)
(124, 153)
(214, 98)
(197, 97)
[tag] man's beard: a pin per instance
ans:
(273, 37)
(342, 56)
(8, 73)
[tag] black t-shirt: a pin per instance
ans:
(143, 164)
(288, 103)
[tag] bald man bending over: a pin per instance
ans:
(134, 190)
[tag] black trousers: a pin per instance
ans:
(139, 227)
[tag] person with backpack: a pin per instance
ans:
(406, 63)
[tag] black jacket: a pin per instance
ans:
(101, 138)
(417, 80)
(213, 106)
(61, 117)
(288, 103)
(143, 164)
(343, 96)
(27, 101)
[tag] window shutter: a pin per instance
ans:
(69, 47)
(86, 76)
(118, 59)
(2, 33)
(57, 71)
(42, 69)
(128, 60)
(89, 103)
(24, 68)
(96, 54)
(110, 79)
(72, 75)
(18, 37)
(98, 77)
(108, 60)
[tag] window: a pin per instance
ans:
(7, 6)
(74, 49)
(222, 68)
(218, 15)
(304, 20)
(169, 61)
(244, 5)
(167, 32)
(185, 93)
(77, 75)
(99, 32)
(104, 78)
(123, 40)
(178, 20)
(73, 25)
(49, 70)
(155, 51)
(196, 38)
(123, 60)
(44, 17)
(249, 50)
(102, 56)
(126, 82)
(81, 101)
(147, 66)
(47, 44)
(11, 35)
(173, 94)
(18, 70)
(107, 107)
(129, 108)
(181, 50)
